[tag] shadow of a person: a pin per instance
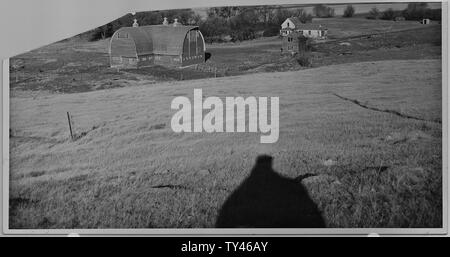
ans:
(268, 200)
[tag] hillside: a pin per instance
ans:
(76, 65)
(129, 170)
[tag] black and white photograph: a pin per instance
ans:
(280, 116)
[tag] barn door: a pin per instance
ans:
(193, 43)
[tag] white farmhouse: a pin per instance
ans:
(293, 24)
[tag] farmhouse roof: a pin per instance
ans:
(306, 26)
(296, 21)
(158, 39)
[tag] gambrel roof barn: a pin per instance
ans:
(171, 45)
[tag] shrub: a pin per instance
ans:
(302, 15)
(418, 11)
(323, 11)
(349, 11)
(272, 31)
(304, 59)
(389, 14)
(373, 14)
(243, 34)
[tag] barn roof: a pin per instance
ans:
(158, 39)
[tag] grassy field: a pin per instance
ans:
(75, 65)
(347, 27)
(129, 170)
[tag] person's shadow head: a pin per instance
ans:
(268, 200)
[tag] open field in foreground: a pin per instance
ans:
(128, 169)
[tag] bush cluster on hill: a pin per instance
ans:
(349, 11)
(243, 23)
(414, 11)
(185, 16)
(221, 23)
(323, 11)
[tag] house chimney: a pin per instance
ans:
(135, 24)
(165, 22)
(175, 22)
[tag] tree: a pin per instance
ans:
(323, 11)
(195, 20)
(417, 11)
(213, 28)
(224, 12)
(302, 15)
(246, 17)
(280, 16)
(349, 11)
(265, 13)
(389, 14)
(103, 32)
(373, 14)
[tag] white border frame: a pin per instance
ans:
(241, 232)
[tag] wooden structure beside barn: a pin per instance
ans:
(293, 43)
(169, 45)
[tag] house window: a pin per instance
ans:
(288, 24)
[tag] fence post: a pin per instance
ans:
(70, 125)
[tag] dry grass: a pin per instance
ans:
(129, 170)
(78, 66)
(347, 27)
